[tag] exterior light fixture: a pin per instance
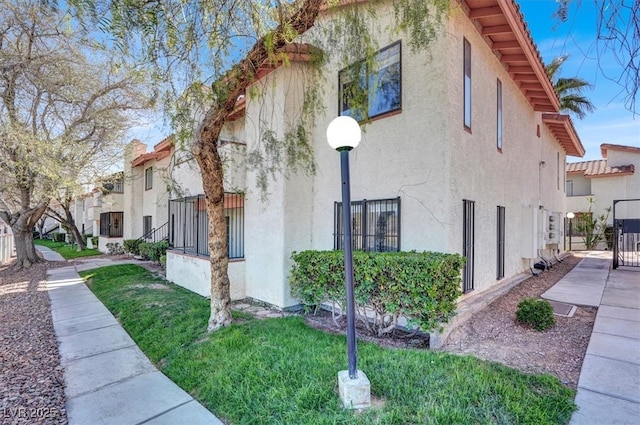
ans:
(570, 216)
(344, 134)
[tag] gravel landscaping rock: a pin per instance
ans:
(31, 377)
(493, 333)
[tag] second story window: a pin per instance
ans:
(499, 116)
(148, 178)
(368, 91)
(467, 84)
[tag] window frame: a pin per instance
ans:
(359, 68)
(148, 178)
(568, 184)
(147, 224)
(466, 86)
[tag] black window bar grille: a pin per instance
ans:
(500, 224)
(111, 224)
(189, 225)
(468, 244)
(375, 225)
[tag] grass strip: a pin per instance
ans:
(67, 251)
(281, 371)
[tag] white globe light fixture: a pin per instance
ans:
(344, 133)
(570, 216)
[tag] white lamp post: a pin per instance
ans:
(570, 216)
(343, 134)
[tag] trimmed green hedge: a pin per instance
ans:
(132, 246)
(153, 250)
(421, 286)
(59, 237)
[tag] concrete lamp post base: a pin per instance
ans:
(354, 393)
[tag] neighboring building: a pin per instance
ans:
(465, 154)
(106, 212)
(616, 176)
(146, 193)
(592, 186)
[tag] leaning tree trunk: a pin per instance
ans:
(71, 224)
(208, 158)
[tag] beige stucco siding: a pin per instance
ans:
(512, 177)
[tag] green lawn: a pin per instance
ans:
(281, 371)
(68, 252)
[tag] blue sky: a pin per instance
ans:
(610, 123)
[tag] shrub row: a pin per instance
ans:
(132, 246)
(422, 287)
(153, 250)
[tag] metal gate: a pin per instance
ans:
(626, 239)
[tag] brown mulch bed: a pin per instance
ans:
(31, 377)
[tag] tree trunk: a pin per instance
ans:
(23, 237)
(211, 169)
(208, 157)
(71, 224)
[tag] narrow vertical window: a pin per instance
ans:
(468, 244)
(148, 178)
(467, 84)
(558, 170)
(500, 236)
(499, 115)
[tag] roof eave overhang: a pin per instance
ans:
(503, 28)
(562, 128)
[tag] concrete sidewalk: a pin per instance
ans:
(609, 385)
(108, 379)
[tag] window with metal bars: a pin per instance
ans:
(375, 225)
(189, 225)
(111, 224)
(500, 238)
(468, 244)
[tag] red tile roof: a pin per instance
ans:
(160, 151)
(599, 168)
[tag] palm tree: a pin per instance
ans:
(569, 89)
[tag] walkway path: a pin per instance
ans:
(609, 385)
(108, 379)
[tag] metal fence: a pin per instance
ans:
(375, 225)
(189, 225)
